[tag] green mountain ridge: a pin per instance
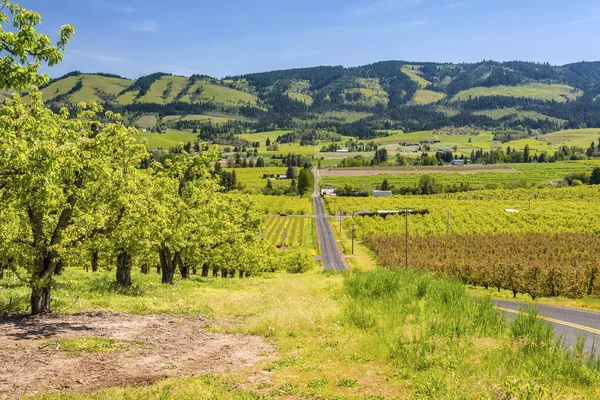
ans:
(388, 95)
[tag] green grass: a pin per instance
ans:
(285, 148)
(94, 83)
(342, 116)
(397, 137)
(428, 97)
(499, 113)
(218, 94)
(532, 174)
(372, 335)
(301, 97)
(553, 141)
(560, 93)
(167, 140)
(77, 347)
(164, 90)
(147, 121)
(414, 73)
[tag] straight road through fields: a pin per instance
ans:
(330, 253)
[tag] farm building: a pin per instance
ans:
(382, 193)
(457, 162)
(327, 192)
(342, 151)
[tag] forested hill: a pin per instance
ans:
(384, 95)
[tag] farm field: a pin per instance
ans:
(554, 141)
(291, 205)
(166, 140)
(540, 91)
(285, 148)
(537, 174)
(290, 231)
(146, 121)
(551, 234)
(484, 140)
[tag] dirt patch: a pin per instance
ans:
(151, 348)
(436, 170)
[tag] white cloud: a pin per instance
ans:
(380, 6)
(147, 26)
(99, 57)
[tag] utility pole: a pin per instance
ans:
(406, 214)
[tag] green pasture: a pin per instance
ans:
(428, 97)
(540, 91)
(167, 140)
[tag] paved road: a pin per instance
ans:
(330, 253)
(568, 323)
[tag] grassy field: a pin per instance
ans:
(463, 143)
(538, 174)
(219, 94)
(166, 140)
(414, 73)
(428, 97)
(499, 113)
(147, 121)
(373, 335)
(285, 148)
(560, 93)
(553, 141)
(164, 90)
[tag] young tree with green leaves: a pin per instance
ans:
(56, 170)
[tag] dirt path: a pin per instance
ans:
(149, 348)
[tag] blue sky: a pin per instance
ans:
(229, 37)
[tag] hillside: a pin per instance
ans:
(360, 101)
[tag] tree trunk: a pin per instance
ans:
(194, 271)
(145, 269)
(168, 265)
(232, 273)
(224, 273)
(158, 269)
(58, 270)
(40, 300)
(185, 271)
(241, 274)
(124, 268)
(2, 270)
(95, 261)
(215, 272)
(205, 270)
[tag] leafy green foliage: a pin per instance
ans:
(23, 50)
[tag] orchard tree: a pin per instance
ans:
(55, 170)
(23, 51)
(183, 185)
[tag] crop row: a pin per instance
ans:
(536, 264)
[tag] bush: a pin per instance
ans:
(298, 261)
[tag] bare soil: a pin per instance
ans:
(421, 170)
(154, 347)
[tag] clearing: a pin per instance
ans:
(83, 353)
